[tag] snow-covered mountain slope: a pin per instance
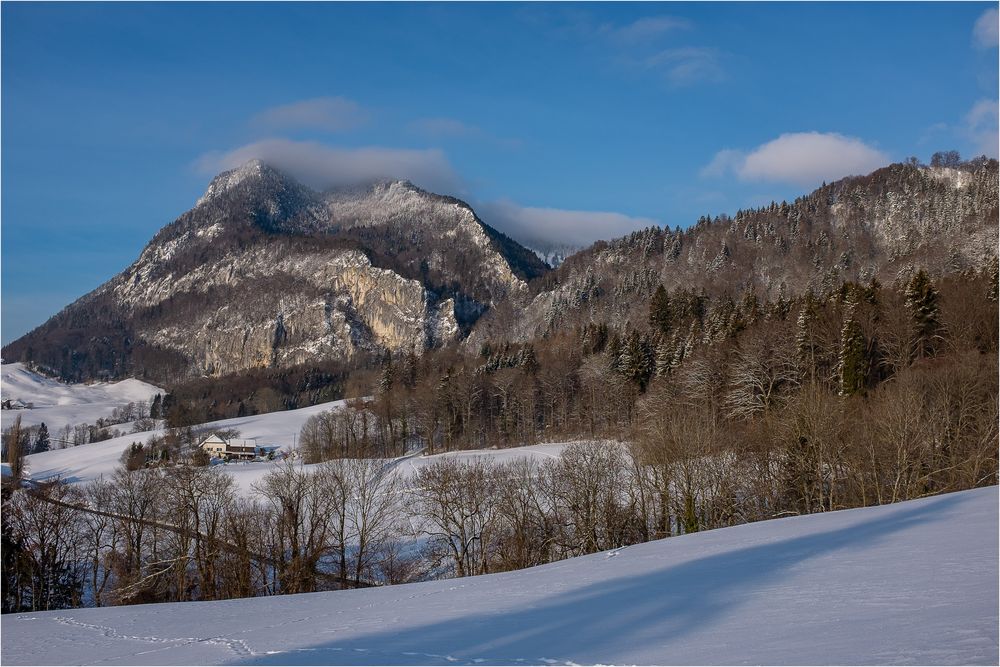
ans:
(58, 404)
(911, 583)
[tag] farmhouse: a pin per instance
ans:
(243, 450)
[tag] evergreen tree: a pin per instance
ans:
(664, 357)
(156, 407)
(387, 373)
(805, 337)
(527, 359)
(636, 361)
(750, 306)
(922, 302)
(409, 378)
(614, 350)
(42, 443)
(853, 364)
(659, 311)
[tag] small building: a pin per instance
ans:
(242, 450)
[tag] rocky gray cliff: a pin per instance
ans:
(265, 272)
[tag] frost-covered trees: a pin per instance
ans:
(659, 311)
(853, 363)
(42, 442)
(922, 302)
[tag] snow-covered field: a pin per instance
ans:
(86, 403)
(911, 583)
(59, 404)
(92, 461)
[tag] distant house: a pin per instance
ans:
(242, 450)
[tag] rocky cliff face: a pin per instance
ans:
(265, 272)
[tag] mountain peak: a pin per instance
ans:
(251, 172)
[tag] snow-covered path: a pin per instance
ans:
(912, 583)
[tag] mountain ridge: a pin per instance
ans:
(266, 272)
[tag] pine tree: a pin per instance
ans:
(156, 407)
(636, 361)
(659, 311)
(664, 357)
(750, 306)
(852, 357)
(387, 374)
(614, 350)
(527, 359)
(42, 443)
(410, 369)
(922, 301)
(805, 337)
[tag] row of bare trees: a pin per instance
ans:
(185, 533)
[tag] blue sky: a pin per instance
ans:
(560, 123)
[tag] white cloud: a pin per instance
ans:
(985, 32)
(725, 161)
(649, 27)
(548, 229)
(688, 65)
(330, 114)
(981, 127)
(321, 166)
(801, 158)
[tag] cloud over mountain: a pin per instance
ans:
(548, 229)
(321, 166)
(799, 158)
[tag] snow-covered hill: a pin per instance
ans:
(911, 583)
(59, 404)
(92, 461)
(86, 463)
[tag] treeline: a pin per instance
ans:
(184, 533)
(200, 400)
